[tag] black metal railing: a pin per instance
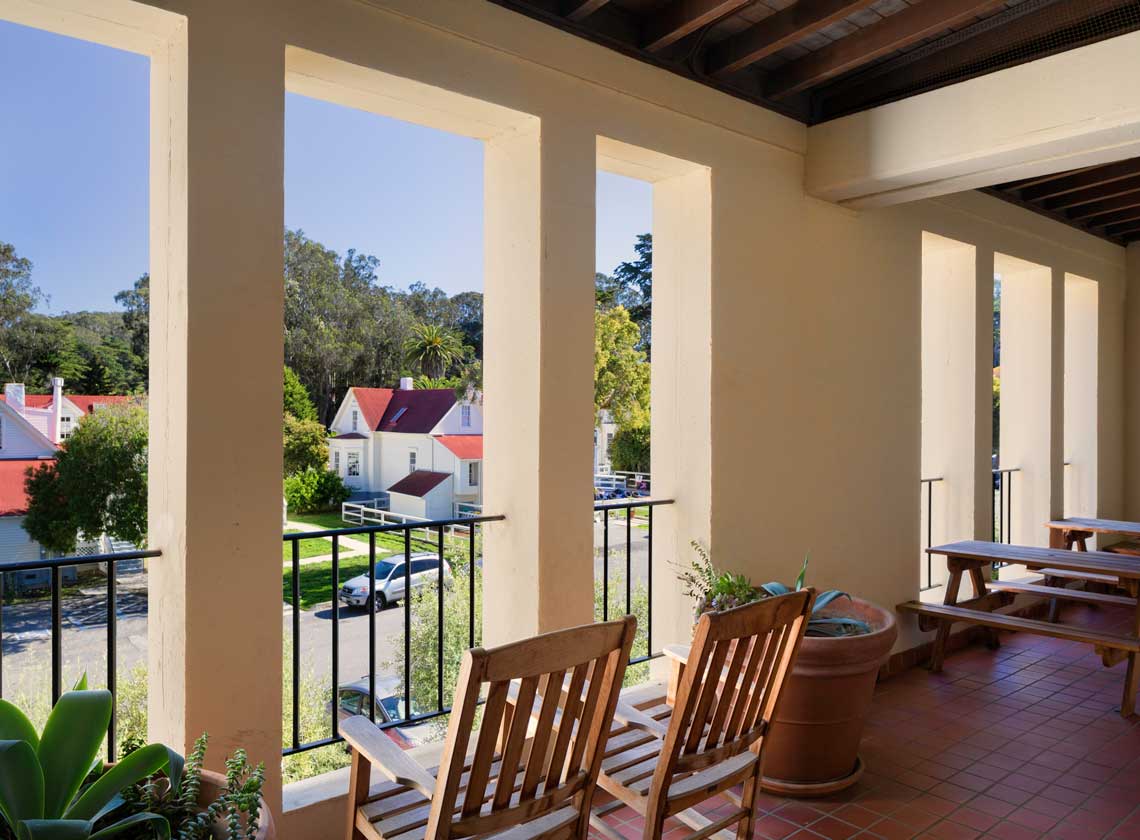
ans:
(633, 509)
(465, 528)
(54, 567)
(927, 487)
(1003, 504)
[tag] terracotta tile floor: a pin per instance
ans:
(1020, 743)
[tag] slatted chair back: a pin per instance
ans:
(561, 766)
(736, 669)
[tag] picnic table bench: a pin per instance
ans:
(970, 557)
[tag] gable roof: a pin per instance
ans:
(28, 427)
(84, 402)
(419, 483)
(466, 447)
(13, 499)
(411, 412)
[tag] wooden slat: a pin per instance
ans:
(1116, 217)
(1019, 588)
(1097, 526)
(1083, 179)
(577, 10)
(1077, 199)
(1098, 562)
(485, 748)
(1024, 625)
(539, 748)
(512, 751)
(1107, 205)
(683, 17)
(1065, 574)
(889, 34)
(777, 31)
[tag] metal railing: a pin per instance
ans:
(371, 532)
(927, 486)
(54, 567)
(633, 509)
(1003, 504)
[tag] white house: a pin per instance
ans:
(423, 448)
(32, 426)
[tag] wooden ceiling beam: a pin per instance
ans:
(1129, 230)
(889, 34)
(1125, 201)
(578, 10)
(1083, 180)
(1078, 198)
(684, 17)
(777, 31)
(1109, 219)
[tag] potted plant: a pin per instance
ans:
(53, 786)
(812, 748)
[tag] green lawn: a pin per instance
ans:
(309, 548)
(393, 542)
(316, 580)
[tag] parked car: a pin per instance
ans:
(352, 699)
(390, 581)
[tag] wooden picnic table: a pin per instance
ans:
(1073, 531)
(970, 557)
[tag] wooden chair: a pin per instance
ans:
(507, 785)
(663, 760)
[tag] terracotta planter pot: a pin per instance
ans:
(212, 785)
(813, 747)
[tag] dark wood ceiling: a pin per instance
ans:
(1102, 200)
(818, 59)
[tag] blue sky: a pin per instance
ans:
(73, 179)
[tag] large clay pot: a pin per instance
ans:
(813, 746)
(212, 785)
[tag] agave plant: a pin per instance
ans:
(821, 625)
(42, 792)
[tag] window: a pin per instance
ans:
(473, 473)
(355, 419)
(465, 416)
(353, 463)
(350, 702)
(412, 461)
(64, 427)
(421, 566)
(336, 461)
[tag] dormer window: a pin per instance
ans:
(64, 427)
(465, 416)
(355, 419)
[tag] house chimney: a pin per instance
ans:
(14, 394)
(56, 408)
(407, 383)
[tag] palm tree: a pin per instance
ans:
(434, 349)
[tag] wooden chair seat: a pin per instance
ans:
(500, 780)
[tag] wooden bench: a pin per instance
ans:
(970, 557)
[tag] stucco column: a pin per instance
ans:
(538, 362)
(983, 397)
(1132, 384)
(215, 639)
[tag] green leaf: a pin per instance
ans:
(175, 763)
(54, 830)
(133, 768)
(775, 589)
(15, 726)
(161, 826)
(21, 783)
(803, 574)
(72, 737)
(81, 683)
(825, 598)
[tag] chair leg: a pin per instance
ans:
(358, 780)
(748, 801)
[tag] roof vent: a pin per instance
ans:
(407, 383)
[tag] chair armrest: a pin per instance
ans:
(637, 719)
(678, 653)
(395, 764)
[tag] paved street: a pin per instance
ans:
(27, 639)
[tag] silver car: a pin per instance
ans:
(390, 581)
(352, 699)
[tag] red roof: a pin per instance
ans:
(414, 412)
(84, 402)
(13, 499)
(466, 447)
(419, 483)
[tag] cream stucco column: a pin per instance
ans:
(538, 361)
(983, 397)
(1132, 384)
(1082, 396)
(215, 638)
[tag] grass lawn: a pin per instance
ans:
(316, 580)
(309, 548)
(391, 542)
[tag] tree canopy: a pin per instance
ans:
(621, 375)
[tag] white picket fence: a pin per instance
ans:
(366, 513)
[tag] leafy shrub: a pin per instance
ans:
(305, 445)
(312, 490)
(629, 450)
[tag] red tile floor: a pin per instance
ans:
(1020, 743)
